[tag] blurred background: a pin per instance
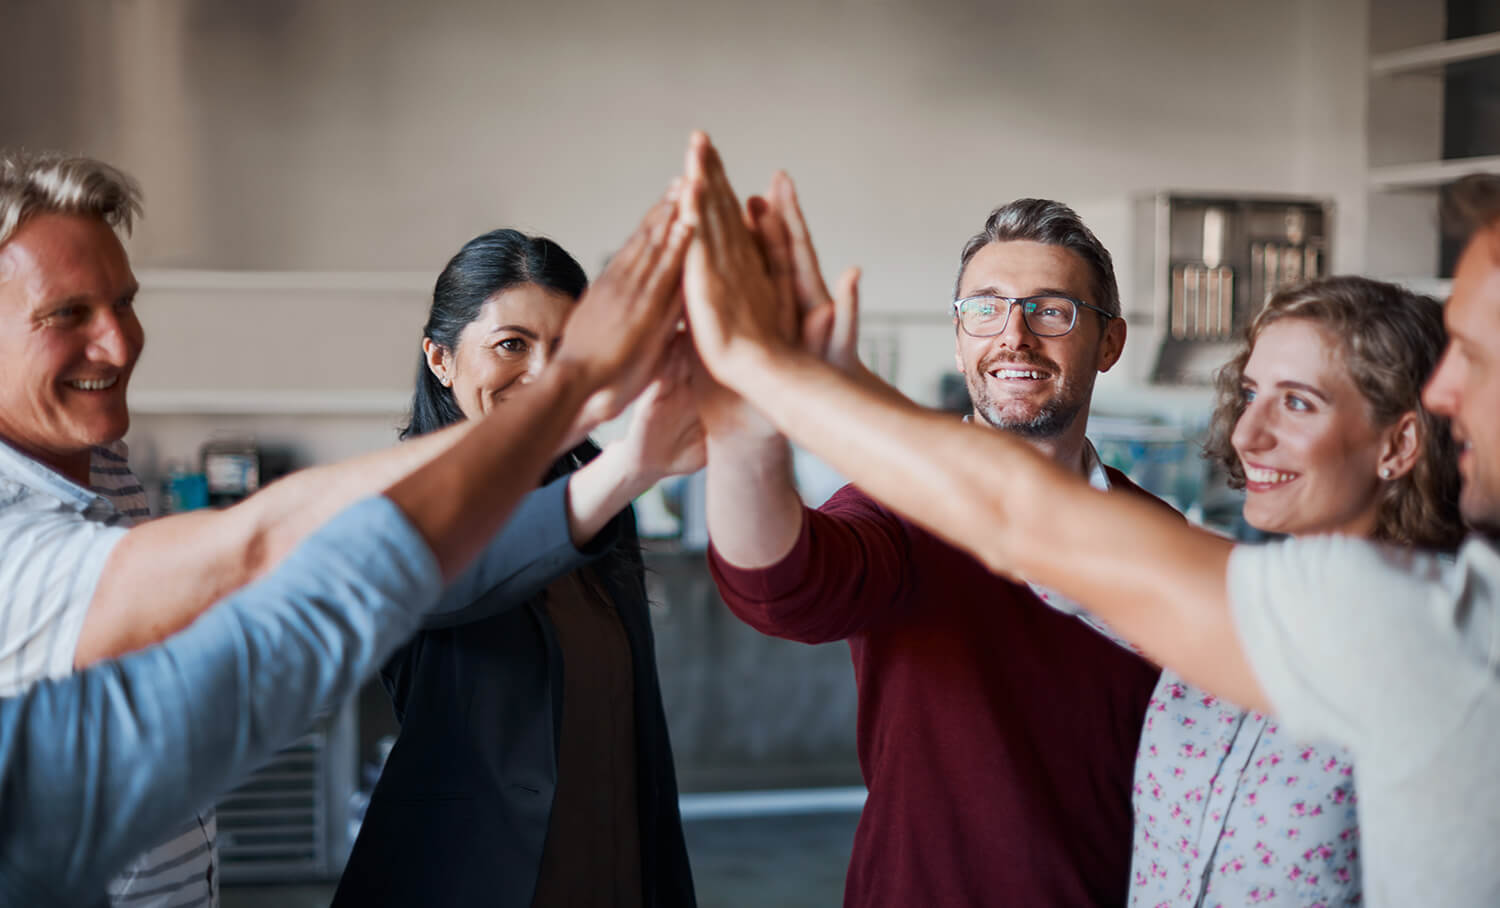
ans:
(310, 166)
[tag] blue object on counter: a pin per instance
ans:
(185, 492)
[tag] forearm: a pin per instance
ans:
(165, 573)
(1159, 582)
(288, 510)
(600, 490)
(461, 498)
(754, 513)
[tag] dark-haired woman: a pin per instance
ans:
(1320, 420)
(533, 765)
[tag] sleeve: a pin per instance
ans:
(52, 560)
(1335, 630)
(848, 569)
(94, 764)
(533, 549)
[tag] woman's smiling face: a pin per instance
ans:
(504, 348)
(1307, 440)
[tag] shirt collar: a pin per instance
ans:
(38, 477)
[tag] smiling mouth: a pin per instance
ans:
(93, 384)
(1006, 374)
(1265, 477)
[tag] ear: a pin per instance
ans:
(1111, 345)
(439, 360)
(1401, 447)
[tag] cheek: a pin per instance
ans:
(487, 374)
(1344, 459)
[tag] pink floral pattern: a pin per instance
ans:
(1228, 811)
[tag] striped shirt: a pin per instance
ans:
(55, 537)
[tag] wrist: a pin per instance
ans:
(749, 453)
(629, 474)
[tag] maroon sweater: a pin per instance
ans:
(997, 736)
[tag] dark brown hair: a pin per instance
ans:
(1391, 340)
(1472, 205)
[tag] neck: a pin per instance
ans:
(1064, 449)
(73, 465)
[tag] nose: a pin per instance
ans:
(117, 340)
(1441, 394)
(1253, 431)
(1016, 336)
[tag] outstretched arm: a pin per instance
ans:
(94, 764)
(1159, 583)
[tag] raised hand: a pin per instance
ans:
(618, 333)
(830, 323)
(734, 305)
(665, 437)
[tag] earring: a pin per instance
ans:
(1385, 472)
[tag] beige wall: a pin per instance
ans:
(378, 136)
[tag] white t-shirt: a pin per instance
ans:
(1393, 654)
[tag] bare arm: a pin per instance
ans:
(1159, 583)
(164, 573)
(665, 439)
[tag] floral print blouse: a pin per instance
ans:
(1229, 811)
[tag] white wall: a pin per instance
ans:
(379, 136)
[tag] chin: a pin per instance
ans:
(103, 432)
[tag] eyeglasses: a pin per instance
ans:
(1045, 316)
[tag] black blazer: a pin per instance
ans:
(460, 813)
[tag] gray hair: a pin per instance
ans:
(1054, 224)
(53, 183)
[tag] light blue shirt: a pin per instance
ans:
(93, 765)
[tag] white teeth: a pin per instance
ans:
(1018, 373)
(1256, 474)
(97, 384)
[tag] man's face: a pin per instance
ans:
(69, 337)
(1036, 386)
(1466, 385)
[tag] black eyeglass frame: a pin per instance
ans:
(1012, 301)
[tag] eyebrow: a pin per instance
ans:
(1291, 385)
(78, 299)
(519, 329)
(1040, 291)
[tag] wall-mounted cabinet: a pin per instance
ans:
(1433, 117)
(1208, 261)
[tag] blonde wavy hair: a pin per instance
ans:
(1391, 340)
(53, 183)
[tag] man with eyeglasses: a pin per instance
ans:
(997, 731)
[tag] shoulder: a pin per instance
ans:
(1119, 482)
(852, 501)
